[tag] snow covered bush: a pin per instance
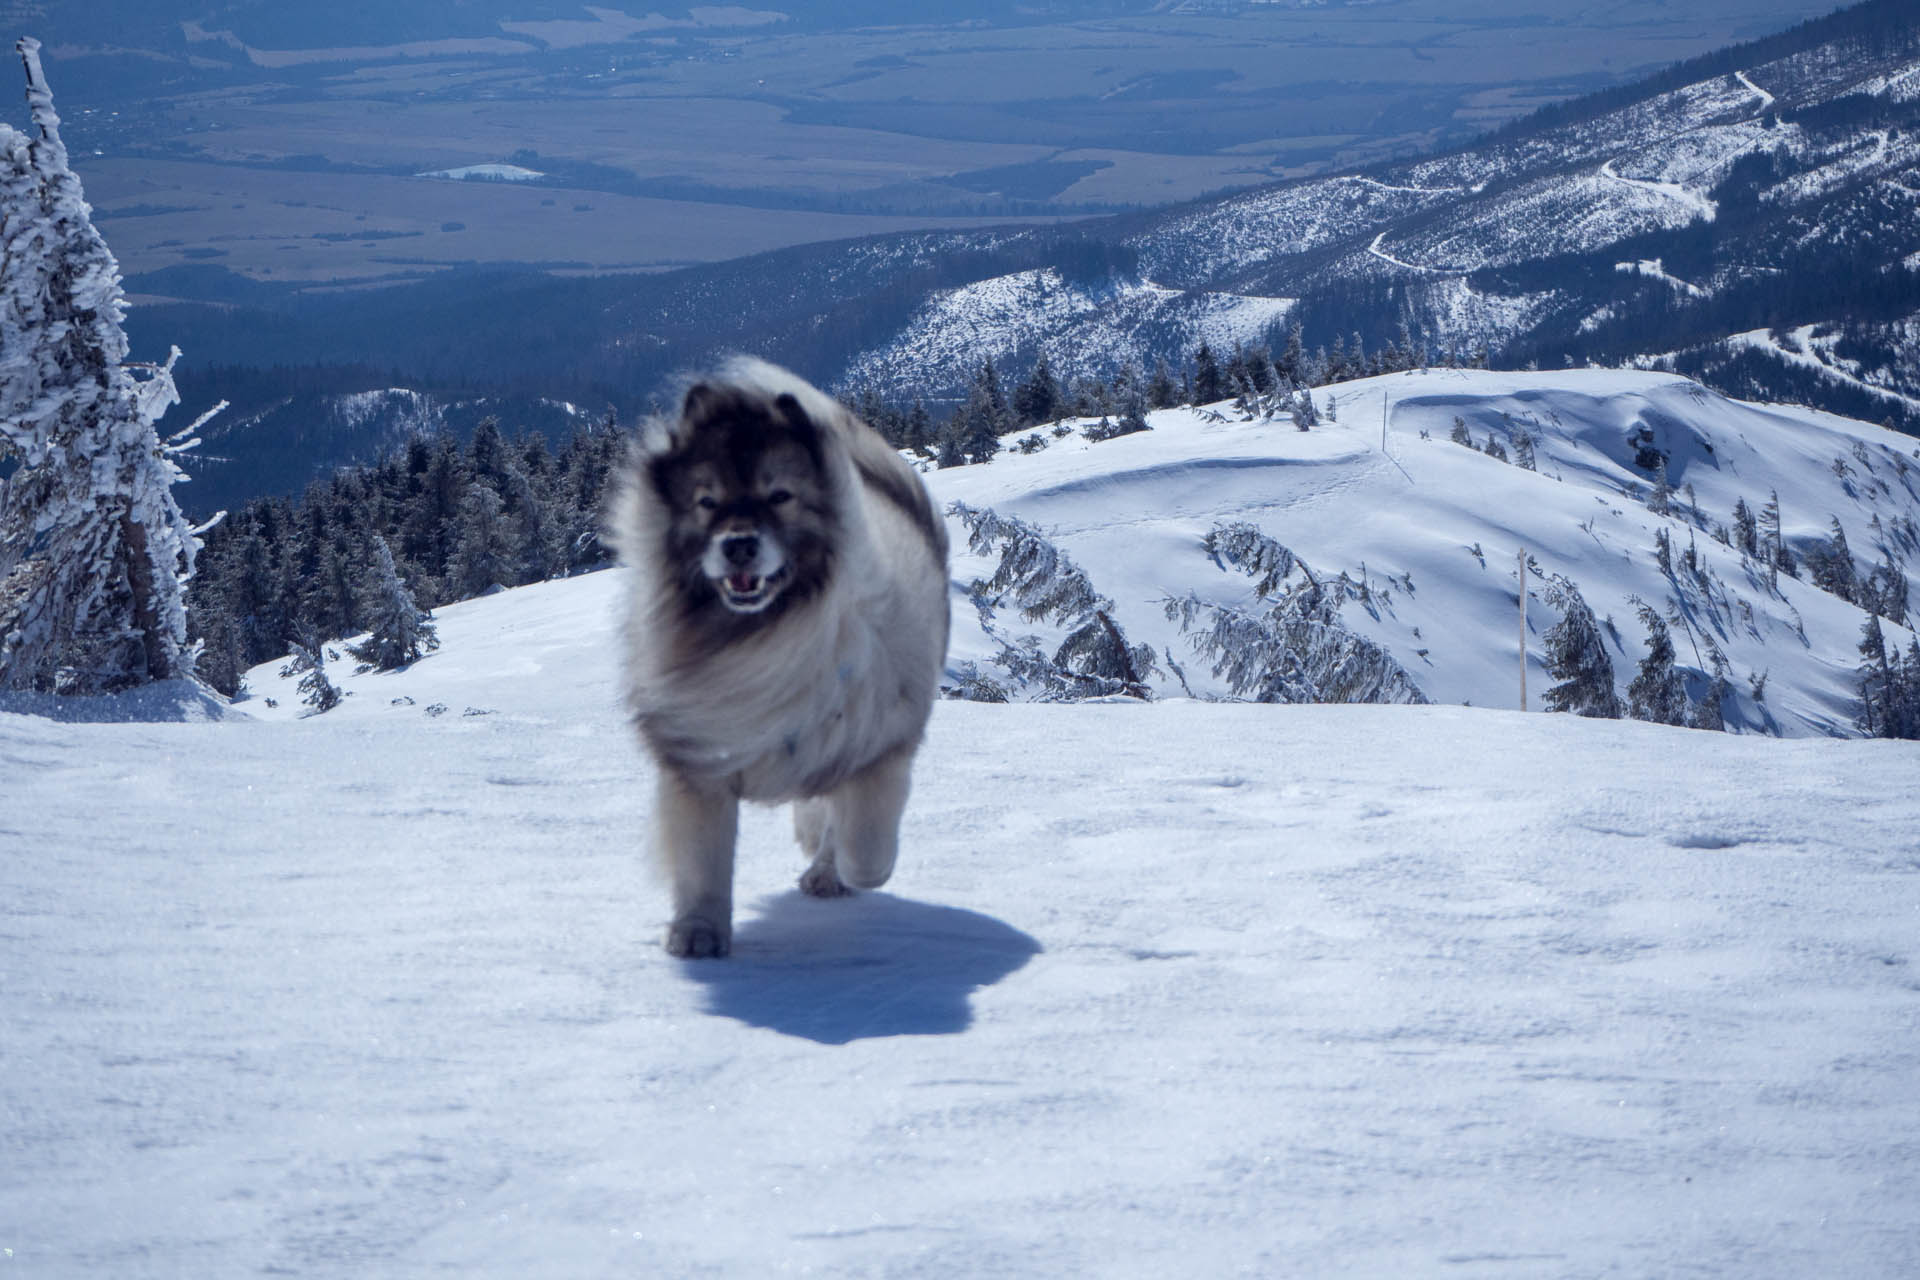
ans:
(94, 551)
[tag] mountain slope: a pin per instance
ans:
(1773, 185)
(1428, 532)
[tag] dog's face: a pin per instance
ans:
(751, 517)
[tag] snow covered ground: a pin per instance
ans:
(1162, 989)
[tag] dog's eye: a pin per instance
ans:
(705, 502)
(779, 497)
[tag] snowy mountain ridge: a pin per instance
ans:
(1427, 533)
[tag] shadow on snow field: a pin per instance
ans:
(857, 968)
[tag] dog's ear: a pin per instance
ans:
(789, 410)
(702, 403)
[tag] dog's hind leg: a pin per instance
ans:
(865, 824)
(696, 826)
(813, 832)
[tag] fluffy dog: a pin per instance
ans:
(785, 633)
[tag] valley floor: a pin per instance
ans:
(1158, 989)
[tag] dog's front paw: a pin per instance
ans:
(821, 880)
(696, 938)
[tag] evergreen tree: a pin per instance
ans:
(1295, 650)
(1711, 712)
(1577, 656)
(316, 690)
(1523, 452)
(1657, 692)
(483, 552)
(918, 433)
(1746, 529)
(1038, 398)
(950, 453)
(1779, 558)
(1300, 408)
(1877, 692)
(1161, 391)
(1292, 363)
(94, 551)
(1831, 565)
(400, 629)
(1660, 501)
(1209, 385)
(1885, 591)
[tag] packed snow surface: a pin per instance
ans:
(1158, 989)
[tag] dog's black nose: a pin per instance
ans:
(740, 549)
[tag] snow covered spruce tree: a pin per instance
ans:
(1044, 585)
(1299, 650)
(1658, 693)
(1577, 656)
(94, 552)
(400, 630)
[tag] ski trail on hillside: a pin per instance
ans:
(1766, 99)
(1763, 340)
(1384, 256)
(1673, 191)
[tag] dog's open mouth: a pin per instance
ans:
(747, 591)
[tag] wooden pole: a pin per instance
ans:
(1523, 628)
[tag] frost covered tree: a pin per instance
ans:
(1044, 585)
(1830, 564)
(400, 628)
(1660, 501)
(1710, 712)
(315, 688)
(94, 551)
(1297, 649)
(1746, 529)
(1773, 542)
(483, 556)
(1657, 692)
(1523, 450)
(1577, 656)
(1300, 409)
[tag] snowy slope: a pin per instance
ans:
(1159, 989)
(1132, 511)
(1084, 331)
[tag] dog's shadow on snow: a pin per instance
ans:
(858, 968)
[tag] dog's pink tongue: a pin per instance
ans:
(744, 583)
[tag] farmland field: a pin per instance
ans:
(287, 148)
